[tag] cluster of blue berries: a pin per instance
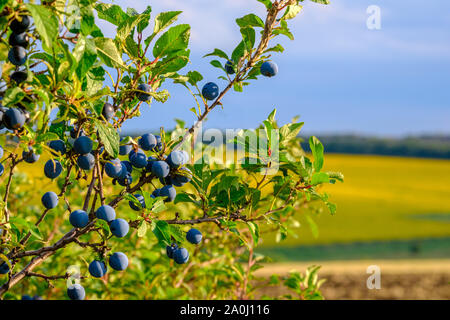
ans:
(15, 118)
(181, 255)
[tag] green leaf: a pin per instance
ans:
(290, 130)
(142, 230)
(46, 23)
(111, 13)
(250, 20)
(194, 77)
(175, 39)
(108, 52)
(254, 229)
(162, 21)
(162, 232)
(267, 3)
(110, 139)
(125, 28)
(313, 226)
(284, 30)
(319, 178)
(238, 52)
(317, 151)
(277, 48)
(248, 36)
(292, 11)
(321, 1)
(218, 53)
(47, 137)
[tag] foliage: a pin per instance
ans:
(69, 64)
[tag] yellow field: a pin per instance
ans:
(383, 198)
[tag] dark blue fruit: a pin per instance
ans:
(229, 67)
(269, 69)
(181, 255)
(159, 145)
(83, 145)
(1, 152)
(106, 213)
(183, 175)
(79, 219)
(114, 168)
(118, 261)
(132, 153)
(150, 161)
(97, 268)
(19, 76)
(194, 236)
(128, 166)
(76, 292)
(30, 156)
(17, 56)
(19, 39)
(210, 91)
(2, 169)
(52, 169)
(50, 200)
(167, 181)
(108, 111)
(141, 200)
(4, 268)
(119, 228)
(147, 142)
(86, 161)
(124, 150)
(141, 95)
(125, 180)
(156, 193)
(27, 297)
(169, 192)
(14, 119)
(176, 159)
(160, 169)
(59, 146)
(139, 160)
(19, 26)
(171, 249)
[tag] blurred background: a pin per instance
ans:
(379, 100)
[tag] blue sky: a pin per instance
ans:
(337, 75)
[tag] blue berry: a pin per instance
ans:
(106, 213)
(50, 200)
(181, 255)
(139, 160)
(86, 161)
(160, 169)
(169, 192)
(83, 145)
(59, 146)
(76, 292)
(269, 69)
(119, 228)
(210, 91)
(118, 261)
(30, 156)
(52, 169)
(147, 142)
(97, 268)
(114, 168)
(194, 236)
(141, 95)
(79, 218)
